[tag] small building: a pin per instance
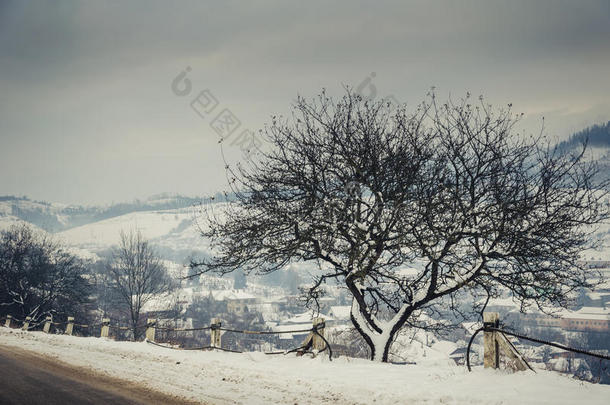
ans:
(459, 356)
(238, 301)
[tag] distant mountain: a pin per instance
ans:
(54, 217)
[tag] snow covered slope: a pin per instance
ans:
(55, 217)
(101, 234)
(253, 378)
(167, 229)
(7, 221)
(172, 231)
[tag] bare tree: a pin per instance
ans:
(410, 211)
(38, 277)
(138, 277)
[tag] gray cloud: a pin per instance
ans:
(87, 115)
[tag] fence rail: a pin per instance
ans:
(495, 340)
(314, 343)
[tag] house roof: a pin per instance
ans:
(306, 318)
(222, 295)
(341, 311)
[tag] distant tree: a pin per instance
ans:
(138, 277)
(107, 300)
(203, 309)
(410, 211)
(38, 277)
(595, 135)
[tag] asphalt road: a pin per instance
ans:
(29, 379)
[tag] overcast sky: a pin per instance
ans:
(88, 114)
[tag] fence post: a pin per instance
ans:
(517, 362)
(150, 329)
(318, 343)
(7, 323)
(215, 333)
(47, 324)
(26, 323)
(70, 325)
(491, 356)
(105, 327)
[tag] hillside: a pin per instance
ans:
(596, 136)
(55, 217)
(597, 140)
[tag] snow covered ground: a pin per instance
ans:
(254, 378)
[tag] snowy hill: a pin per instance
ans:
(597, 139)
(54, 217)
(43, 215)
(254, 378)
(91, 230)
(168, 221)
(173, 233)
(154, 225)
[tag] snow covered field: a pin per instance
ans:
(254, 378)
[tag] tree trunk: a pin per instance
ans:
(379, 344)
(384, 343)
(379, 338)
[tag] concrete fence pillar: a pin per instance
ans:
(491, 356)
(70, 326)
(47, 324)
(496, 342)
(8, 320)
(318, 343)
(215, 333)
(150, 329)
(26, 323)
(105, 327)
